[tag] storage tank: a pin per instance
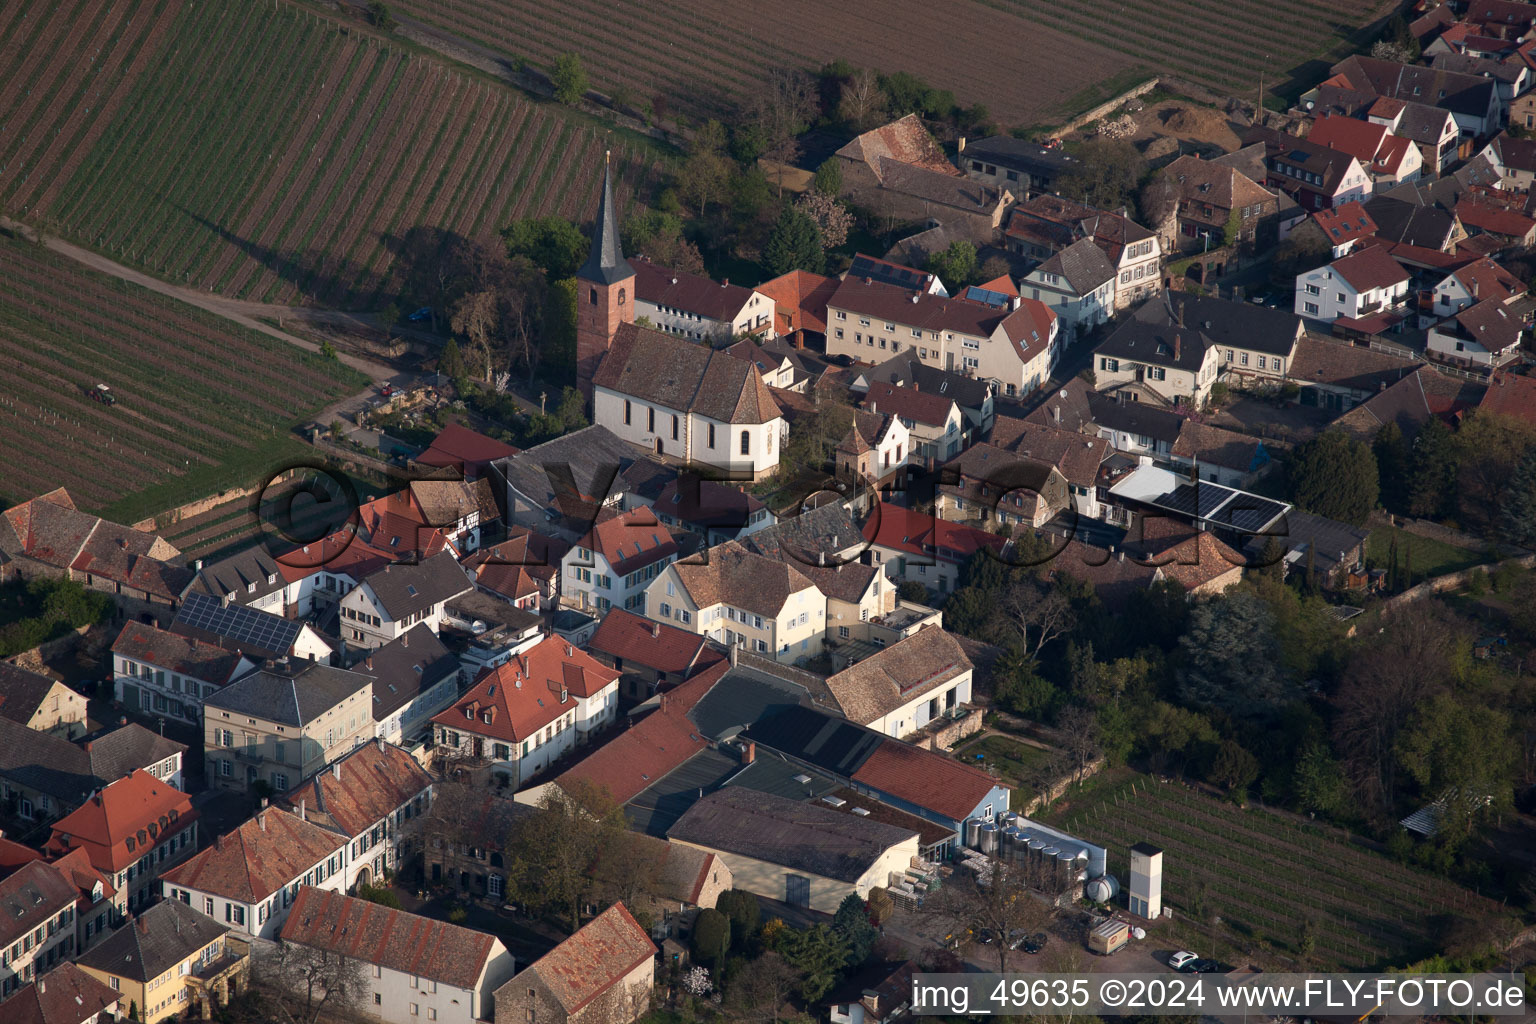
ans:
(973, 833)
(1102, 889)
(989, 838)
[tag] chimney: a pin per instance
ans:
(141, 924)
(218, 842)
(735, 655)
(261, 819)
(1014, 302)
(368, 663)
(42, 985)
(874, 407)
(378, 741)
(303, 811)
(336, 770)
(655, 631)
(1120, 556)
(122, 720)
(1474, 287)
(263, 803)
(1175, 348)
(914, 297)
(405, 639)
(197, 565)
(916, 386)
(1056, 413)
(749, 752)
(961, 145)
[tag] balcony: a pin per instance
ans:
(214, 982)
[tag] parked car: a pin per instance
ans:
(1204, 966)
(103, 394)
(1182, 960)
(424, 313)
(386, 389)
(1029, 943)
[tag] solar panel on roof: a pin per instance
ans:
(251, 627)
(1250, 514)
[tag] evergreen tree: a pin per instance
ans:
(1392, 466)
(1432, 482)
(1272, 560)
(829, 177)
(819, 954)
(1334, 475)
(711, 937)
(794, 244)
(553, 244)
(1232, 657)
(451, 363)
(852, 925)
(956, 266)
(1518, 513)
(559, 361)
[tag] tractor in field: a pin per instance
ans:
(103, 394)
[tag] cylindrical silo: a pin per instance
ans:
(989, 838)
(973, 833)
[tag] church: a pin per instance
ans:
(671, 396)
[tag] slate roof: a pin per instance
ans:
(1513, 153)
(818, 738)
(173, 652)
(1463, 93)
(1410, 402)
(1019, 155)
(572, 475)
(597, 957)
(605, 260)
(800, 300)
(904, 140)
(733, 575)
(706, 503)
(984, 465)
(1302, 530)
(122, 751)
(1066, 408)
(265, 853)
(1398, 221)
(636, 640)
(695, 293)
(676, 374)
(748, 693)
(523, 695)
(44, 762)
(1082, 265)
(788, 833)
(29, 896)
(1369, 268)
(402, 590)
(294, 695)
(1136, 418)
(1158, 344)
(21, 692)
(406, 667)
(945, 188)
(123, 821)
(907, 370)
(65, 995)
(233, 575)
(392, 939)
(154, 942)
(896, 675)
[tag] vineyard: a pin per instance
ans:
(1038, 62)
(201, 405)
(267, 151)
(1250, 878)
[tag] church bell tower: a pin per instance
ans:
(604, 289)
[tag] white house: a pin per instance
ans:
(1482, 337)
(613, 564)
(366, 797)
(1013, 344)
(416, 969)
(258, 633)
(903, 687)
(693, 306)
(1474, 283)
(527, 712)
(1358, 285)
(249, 878)
(1049, 224)
(387, 603)
(742, 599)
(674, 397)
(158, 672)
(1077, 283)
(878, 447)
(414, 678)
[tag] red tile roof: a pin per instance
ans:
(1370, 143)
(695, 293)
(925, 778)
(1511, 395)
(459, 447)
(1485, 279)
(523, 695)
(1345, 222)
(631, 541)
(392, 939)
(597, 957)
(1371, 267)
(354, 792)
(904, 140)
(636, 640)
(918, 533)
(800, 300)
(1494, 218)
(251, 863)
(909, 403)
(176, 653)
(124, 822)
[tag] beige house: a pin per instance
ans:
(37, 923)
(901, 689)
(387, 603)
(171, 960)
(742, 599)
(794, 851)
(1157, 363)
(1048, 225)
(40, 703)
(1012, 344)
(280, 725)
(994, 488)
(603, 974)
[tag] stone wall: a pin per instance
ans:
(941, 737)
(1107, 107)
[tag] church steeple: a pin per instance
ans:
(606, 263)
(604, 291)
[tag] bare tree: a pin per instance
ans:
(1079, 729)
(550, 854)
(783, 110)
(1043, 775)
(305, 982)
(1039, 610)
(476, 316)
(761, 995)
(862, 103)
(1004, 902)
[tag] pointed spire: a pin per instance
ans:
(606, 263)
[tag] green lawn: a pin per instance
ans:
(1429, 557)
(1013, 759)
